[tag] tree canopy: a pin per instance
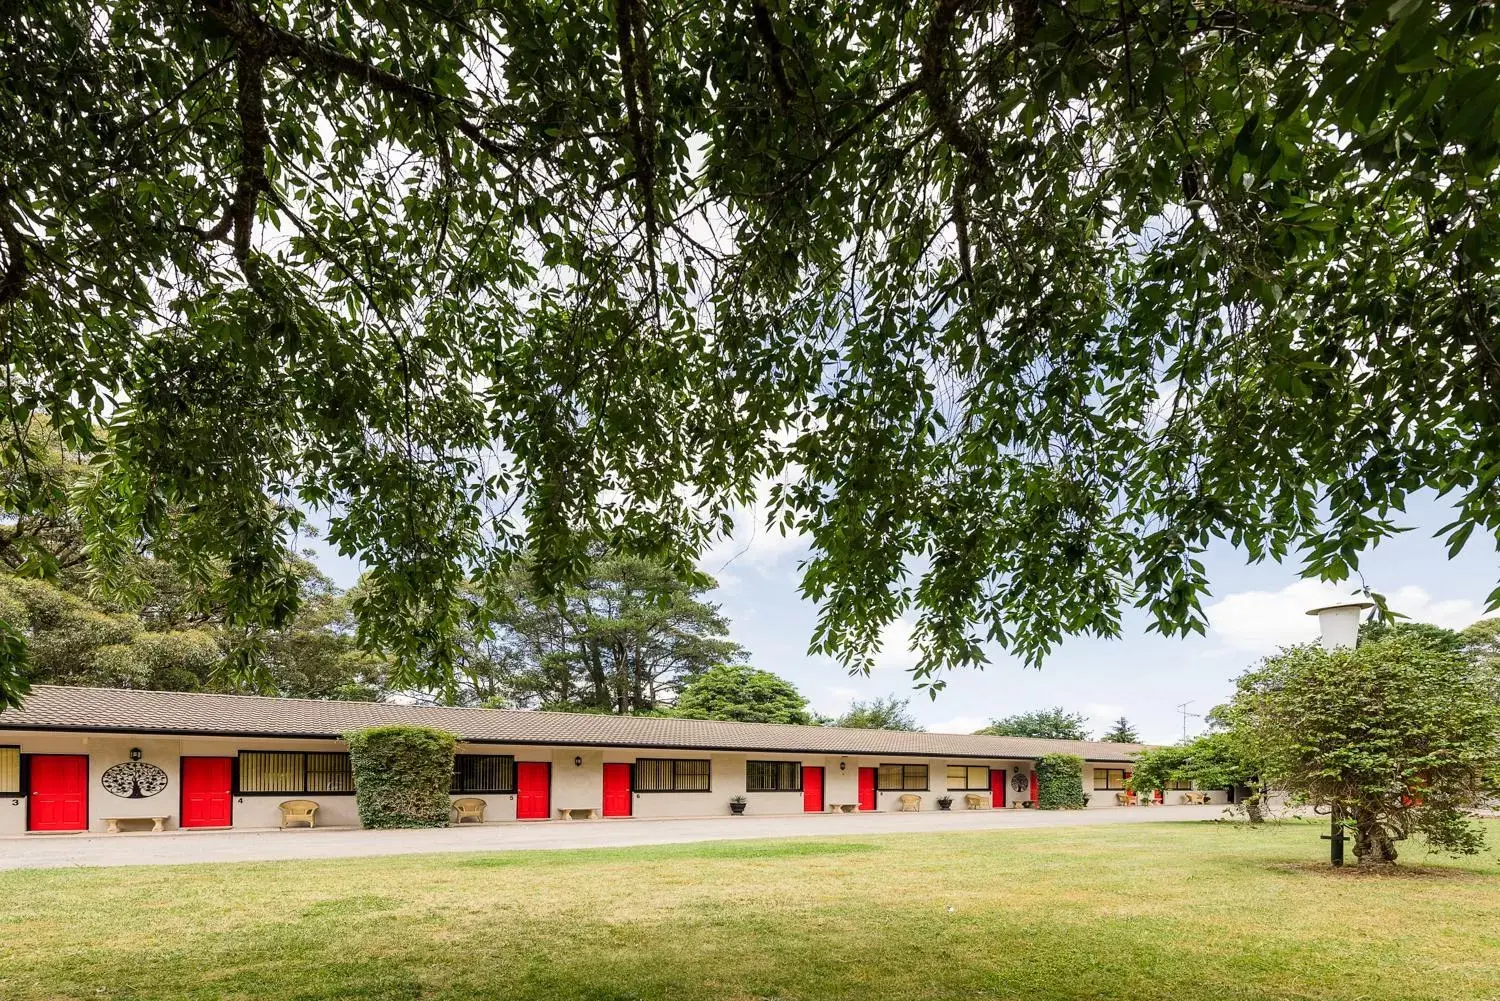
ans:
(1401, 733)
(880, 713)
(1030, 302)
(1055, 723)
(1121, 732)
(741, 693)
(625, 638)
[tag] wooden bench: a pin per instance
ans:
(112, 824)
(842, 807)
(567, 812)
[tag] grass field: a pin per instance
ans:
(1175, 911)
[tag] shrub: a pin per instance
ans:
(402, 775)
(1059, 782)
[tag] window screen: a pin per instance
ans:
(969, 777)
(671, 775)
(484, 773)
(773, 776)
(902, 777)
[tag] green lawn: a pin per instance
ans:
(1158, 911)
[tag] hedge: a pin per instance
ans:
(402, 775)
(1059, 782)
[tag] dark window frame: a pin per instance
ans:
(635, 774)
(19, 792)
(776, 766)
(1180, 785)
(968, 788)
(1107, 772)
(456, 788)
(239, 789)
(880, 786)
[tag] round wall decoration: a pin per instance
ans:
(134, 779)
(1020, 782)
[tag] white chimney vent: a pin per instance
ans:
(1339, 623)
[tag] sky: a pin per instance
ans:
(1255, 609)
(1143, 676)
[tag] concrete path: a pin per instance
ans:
(176, 847)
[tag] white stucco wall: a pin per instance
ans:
(577, 776)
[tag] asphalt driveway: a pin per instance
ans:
(177, 847)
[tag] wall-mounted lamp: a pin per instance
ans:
(135, 754)
(577, 761)
(843, 765)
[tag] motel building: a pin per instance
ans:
(102, 760)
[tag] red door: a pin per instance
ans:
(1033, 787)
(206, 800)
(616, 790)
(57, 798)
(867, 788)
(533, 790)
(997, 787)
(812, 790)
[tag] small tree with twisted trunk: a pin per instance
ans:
(1400, 733)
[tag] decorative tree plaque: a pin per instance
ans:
(134, 779)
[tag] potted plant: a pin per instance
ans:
(737, 805)
(944, 802)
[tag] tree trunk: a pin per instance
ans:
(1372, 842)
(1253, 810)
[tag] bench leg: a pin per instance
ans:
(158, 824)
(113, 827)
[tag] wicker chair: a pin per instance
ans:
(299, 811)
(910, 803)
(468, 811)
(1125, 798)
(974, 801)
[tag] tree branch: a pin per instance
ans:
(934, 60)
(275, 42)
(13, 280)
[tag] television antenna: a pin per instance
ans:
(1182, 710)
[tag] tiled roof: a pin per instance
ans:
(53, 707)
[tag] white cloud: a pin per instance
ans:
(959, 724)
(1102, 715)
(896, 653)
(1262, 621)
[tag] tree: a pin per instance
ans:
(1121, 733)
(1055, 723)
(888, 713)
(1399, 733)
(1038, 296)
(162, 646)
(1214, 760)
(625, 639)
(740, 693)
